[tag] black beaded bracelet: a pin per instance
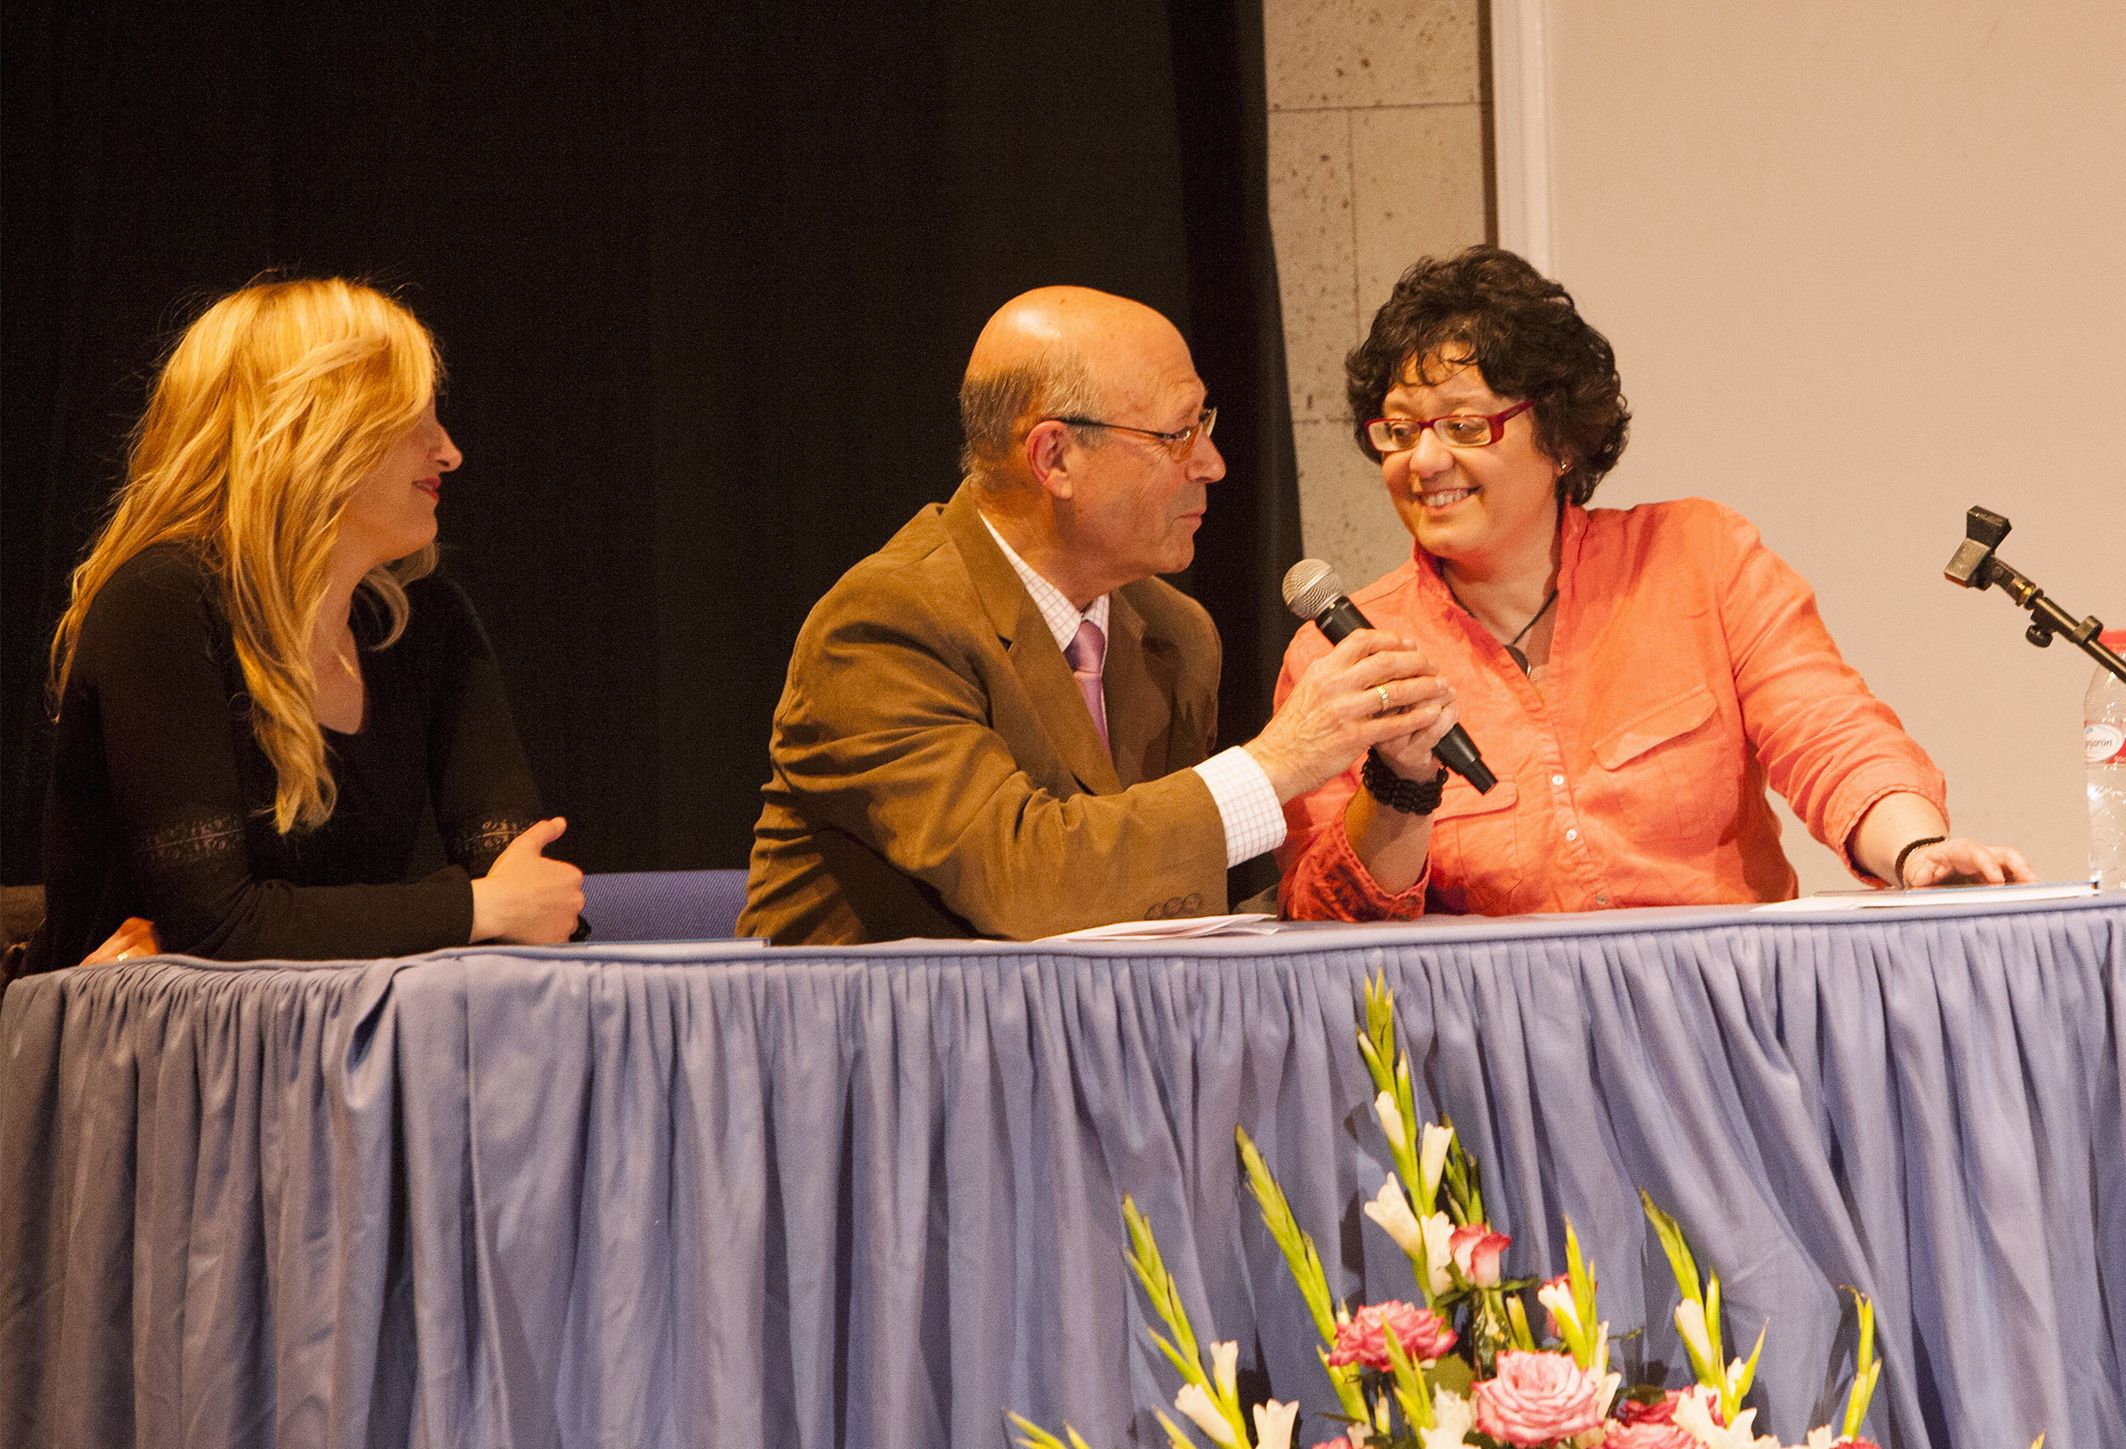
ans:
(1897, 871)
(1397, 793)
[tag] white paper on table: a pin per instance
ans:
(2002, 895)
(1246, 923)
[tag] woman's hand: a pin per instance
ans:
(1410, 755)
(525, 897)
(1882, 846)
(1370, 689)
(135, 936)
(1960, 860)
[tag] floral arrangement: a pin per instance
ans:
(1459, 1365)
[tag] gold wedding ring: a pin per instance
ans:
(1382, 691)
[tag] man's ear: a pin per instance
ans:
(1048, 457)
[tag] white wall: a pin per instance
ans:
(1862, 266)
(1376, 159)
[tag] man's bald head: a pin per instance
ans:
(1053, 352)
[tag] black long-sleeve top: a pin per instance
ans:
(161, 801)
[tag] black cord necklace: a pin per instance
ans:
(1513, 645)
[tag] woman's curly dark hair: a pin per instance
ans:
(1521, 329)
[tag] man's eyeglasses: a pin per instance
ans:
(1456, 430)
(1178, 444)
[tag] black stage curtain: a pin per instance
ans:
(705, 277)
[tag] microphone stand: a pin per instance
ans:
(1976, 567)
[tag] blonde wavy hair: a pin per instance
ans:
(271, 408)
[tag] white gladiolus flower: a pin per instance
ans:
(1273, 1424)
(1195, 1403)
(1690, 1322)
(1391, 1121)
(1557, 1297)
(1694, 1417)
(1225, 1359)
(1452, 1418)
(1432, 1157)
(1392, 1211)
(1439, 1252)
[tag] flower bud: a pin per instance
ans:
(1392, 1212)
(1432, 1158)
(1439, 1252)
(1391, 1121)
(1690, 1323)
(1225, 1360)
(1195, 1403)
(1273, 1424)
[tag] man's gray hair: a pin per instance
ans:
(995, 407)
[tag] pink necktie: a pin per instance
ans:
(1087, 653)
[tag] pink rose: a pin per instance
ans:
(1424, 1335)
(1647, 1434)
(1476, 1252)
(1538, 1398)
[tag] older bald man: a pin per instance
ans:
(1001, 723)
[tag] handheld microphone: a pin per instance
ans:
(1312, 591)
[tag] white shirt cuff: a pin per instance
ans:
(1247, 805)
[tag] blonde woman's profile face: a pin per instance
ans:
(392, 512)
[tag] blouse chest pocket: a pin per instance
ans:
(1475, 852)
(1675, 769)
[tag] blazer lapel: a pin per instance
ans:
(1039, 664)
(1139, 709)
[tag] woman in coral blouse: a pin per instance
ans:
(1635, 677)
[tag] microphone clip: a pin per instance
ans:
(1976, 565)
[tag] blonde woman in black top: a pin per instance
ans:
(263, 694)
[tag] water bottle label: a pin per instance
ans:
(2103, 744)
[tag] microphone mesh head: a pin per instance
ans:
(1308, 587)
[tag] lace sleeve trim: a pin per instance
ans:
(189, 843)
(475, 844)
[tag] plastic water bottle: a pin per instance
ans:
(2104, 746)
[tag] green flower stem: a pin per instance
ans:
(1465, 1193)
(1517, 1324)
(1164, 1294)
(1673, 1243)
(1389, 1068)
(1295, 1243)
(1033, 1436)
(1304, 1263)
(1748, 1376)
(1865, 1369)
(1345, 1380)
(1579, 1276)
(1175, 1438)
(1411, 1390)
